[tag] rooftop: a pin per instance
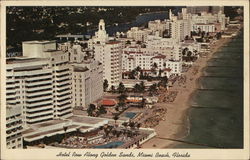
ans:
(22, 60)
(85, 119)
(80, 69)
(108, 102)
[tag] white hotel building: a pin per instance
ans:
(87, 83)
(41, 83)
(109, 54)
(131, 60)
(138, 34)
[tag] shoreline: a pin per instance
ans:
(176, 124)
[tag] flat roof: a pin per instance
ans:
(80, 69)
(85, 119)
(51, 131)
(44, 124)
(52, 122)
(23, 60)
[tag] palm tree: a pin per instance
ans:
(105, 85)
(154, 67)
(122, 97)
(90, 109)
(143, 102)
(131, 124)
(125, 124)
(142, 86)
(184, 51)
(102, 110)
(132, 74)
(113, 89)
(128, 42)
(121, 88)
(138, 125)
(65, 128)
(138, 69)
(116, 117)
(136, 88)
(153, 89)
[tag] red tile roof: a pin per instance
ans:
(132, 52)
(108, 102)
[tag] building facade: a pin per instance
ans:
(14, 127)
(87, 83)
(109, 54)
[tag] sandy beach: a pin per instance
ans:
(175, 124)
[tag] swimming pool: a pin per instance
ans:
(111, 145)
(130, 114)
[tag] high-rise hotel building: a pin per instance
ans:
(40, 82)
(109, 53)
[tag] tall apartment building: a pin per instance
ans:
(87, 74)
(168, 47)
(137, 34)
(87, 83)
(158, 26)
(29, 84)
(41, 83)
(14, 126)
(110, 55)
(215, 20)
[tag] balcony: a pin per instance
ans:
(37, 109)
(39, 78)
(61, 80)
(42, 92)
(66, 103)
(64, 100)
(63, 69)
(41, 88)
(62, 91)
(62, 85)
(39, 99)
(38, 85)
(39, 81)
(35, 114)
(41, 103)
(60, 96)
(11, 96)
(58, 76)
(37, 119)
(63, 109)
(65, 113)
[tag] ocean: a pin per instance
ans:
(216, 112)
